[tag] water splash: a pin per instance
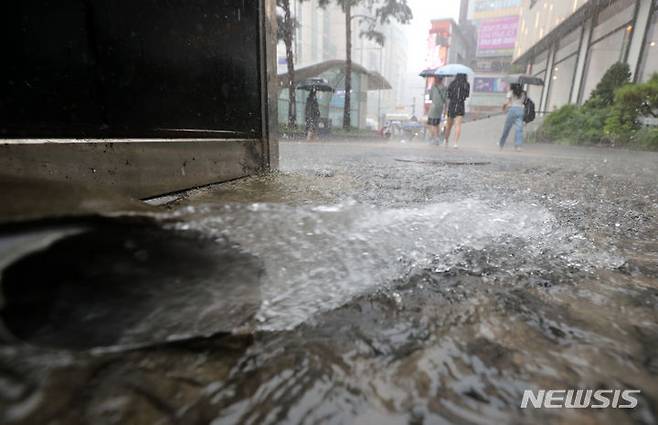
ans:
(318, 258)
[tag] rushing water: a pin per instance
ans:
(318, 258)
(345, 291)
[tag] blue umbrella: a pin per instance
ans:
(453, 69)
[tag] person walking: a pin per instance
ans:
(458, 91)
(312, 115)
(515, 110)
(438, 96)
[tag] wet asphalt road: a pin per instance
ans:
(513, 271)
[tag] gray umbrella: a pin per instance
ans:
(524, 79)
(317, 84)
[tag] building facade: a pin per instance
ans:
(572, 43)
(390, 61)
(497, 24)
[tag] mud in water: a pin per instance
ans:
(401, 292)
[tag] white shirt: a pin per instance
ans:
(515, 101)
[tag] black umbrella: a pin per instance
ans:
(524, 79)
(317, 84)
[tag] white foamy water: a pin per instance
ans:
(318, 258)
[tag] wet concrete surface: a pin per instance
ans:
(400, 283)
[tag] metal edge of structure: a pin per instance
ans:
(270, 81)
(123, 169)
(136, 169)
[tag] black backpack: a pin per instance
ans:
(529, 110)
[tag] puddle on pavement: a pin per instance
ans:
(442, 162)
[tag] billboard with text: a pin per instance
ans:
(497, 37)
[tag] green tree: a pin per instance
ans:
(379, 12)
(572, 124)
(287, 25)
(632, 102)
(616, 76)
(614, 113)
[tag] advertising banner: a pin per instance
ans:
(488, 9)
(497, 37)
(490, 85)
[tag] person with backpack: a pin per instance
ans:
(438, 96)
(458, 91)
(516, 113)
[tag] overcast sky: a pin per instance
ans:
(424, 11)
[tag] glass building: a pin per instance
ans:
(572, 43)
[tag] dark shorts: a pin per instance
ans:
(456, 109)
(434, 121)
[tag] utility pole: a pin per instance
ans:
(347, 116)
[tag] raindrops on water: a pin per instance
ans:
(318, 258)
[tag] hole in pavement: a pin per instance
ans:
(128, 282)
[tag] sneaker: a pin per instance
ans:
(455, 146)
(517, 148)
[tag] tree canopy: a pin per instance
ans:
(380, 12)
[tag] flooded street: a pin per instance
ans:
(363, 283)
(329, 212)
